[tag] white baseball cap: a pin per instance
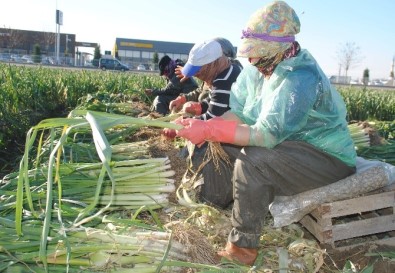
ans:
(201, 54)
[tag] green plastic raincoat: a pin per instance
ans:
(296, 103)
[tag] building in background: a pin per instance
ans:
(134, 52)
(18, 42)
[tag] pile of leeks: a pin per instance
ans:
(61, 212)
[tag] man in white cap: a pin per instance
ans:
(208, 63)
(201, 93)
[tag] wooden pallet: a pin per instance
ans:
(356, 221)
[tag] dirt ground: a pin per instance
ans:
(334, 259)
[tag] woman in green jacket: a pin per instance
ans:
(286, 131)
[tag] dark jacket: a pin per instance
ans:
(174, 87)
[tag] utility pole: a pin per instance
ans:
(67, 46)
(392, 71)
(59, 22)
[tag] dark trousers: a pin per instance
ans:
(256, 174)
(161, 103)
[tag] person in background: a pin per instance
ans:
(201, 95)
(173, 88)
(285, 133)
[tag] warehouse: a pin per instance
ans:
(23, 41)
(134, 52)
(129, 51)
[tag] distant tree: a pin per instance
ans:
(155, 60)
(97, 54)
(349, 55)
(36, 54)
(365, 77)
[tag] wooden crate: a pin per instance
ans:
(356, 221)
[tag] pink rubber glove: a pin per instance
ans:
(169, 133)
(216, 130)
(192, 107)
(177, 103)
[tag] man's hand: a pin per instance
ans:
(177, 103)
(178, 72)
(192, 107)
(148, 92)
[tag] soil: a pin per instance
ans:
(335, 259)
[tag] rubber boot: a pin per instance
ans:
(241, 255)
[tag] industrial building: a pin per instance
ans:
(18, 43)
(133, 52)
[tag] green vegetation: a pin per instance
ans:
(31, 94)
(369, 104)
(83, 199)
(96, 56)
(60, 211)
(155, 60)
(365, 76)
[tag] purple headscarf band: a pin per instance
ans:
(266, 37)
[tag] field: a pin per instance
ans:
(61, 195)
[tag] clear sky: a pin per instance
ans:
(326, 25)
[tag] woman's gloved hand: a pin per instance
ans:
(192, 107)
(216, 130)
(177, 103)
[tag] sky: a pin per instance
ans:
(326, 25)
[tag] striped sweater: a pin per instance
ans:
(217, 102)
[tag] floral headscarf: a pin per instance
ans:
(270, 31)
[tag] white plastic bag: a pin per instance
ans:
(370, 175)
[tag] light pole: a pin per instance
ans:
(59, 22)
(392, 71)
(67, 40)
(67, 47)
